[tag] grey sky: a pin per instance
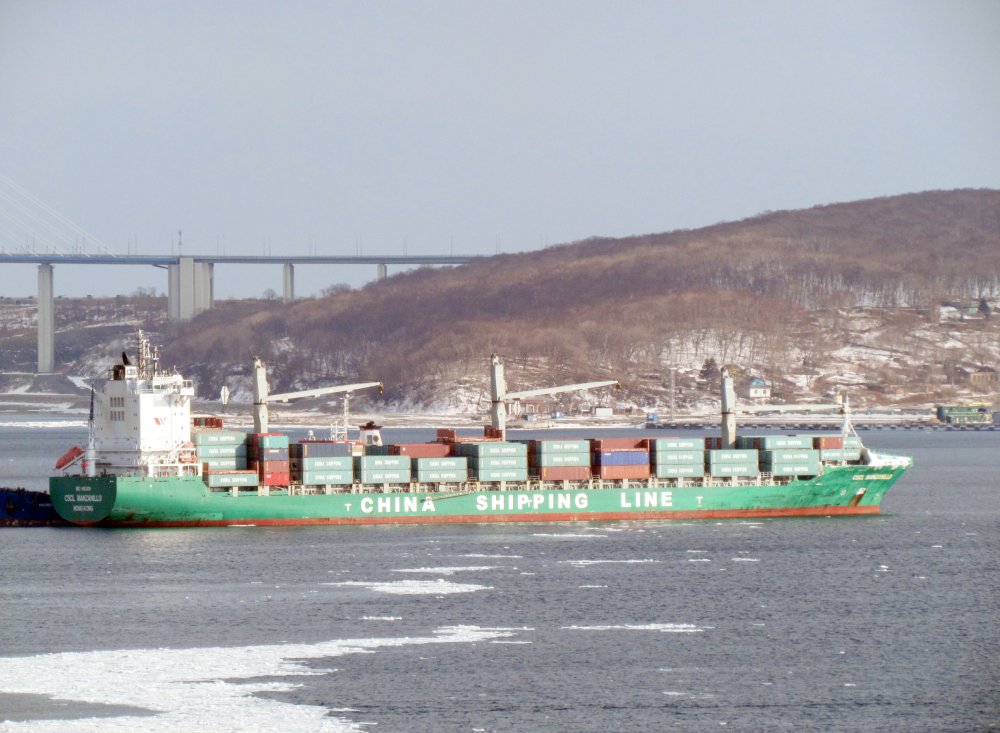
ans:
(473, 126)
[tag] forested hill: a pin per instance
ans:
(840, 294)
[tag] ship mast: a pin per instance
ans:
(500, 396)
(728, 410)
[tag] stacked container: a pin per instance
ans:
(268, 453)
(790, 461)
(620, 458)
(837, 449)
(223, 457)
(728, 463)
(559, 460)
(491, 461)
(321, 462)
(382, 469)
(442, 470)
(677, 457)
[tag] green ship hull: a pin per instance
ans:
(188, 502)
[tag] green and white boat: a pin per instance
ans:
(145, 466)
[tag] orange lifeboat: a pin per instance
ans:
(69, 456)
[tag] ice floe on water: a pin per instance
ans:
(663, 628)
(194, 689)
(482, 556)
(746, 559)
(568, 536)
(585, 563)
(415, 587)
(592, 586)
(381, 618)
(445, 570)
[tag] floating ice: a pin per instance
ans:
(664, 628)
(592, 586)
(746, 559)
(568, 536)
(195, 689)
(416, 587)
(493, 557)
(583, 563)
(445, 570)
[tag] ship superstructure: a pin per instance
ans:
(141, 420)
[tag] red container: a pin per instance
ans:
(603, 444)
(444, 434)
(264, 467)
(564, 473)
(275, 478)
(421, 450)
(492, 433)
(617, 472)
(713, 443)
(828, 441)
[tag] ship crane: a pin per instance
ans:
(262, 396)
(500, 396)
(729, 409)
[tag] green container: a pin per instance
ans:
(389, 463)
(789, 455)
(672, 444)
(218, 437)
(852, 441)
(678, 470)
(325, 463)
(690, 457)
(377, 450)
(442, 475)
(322, 477)
(731, 456)
(272, 441)
(211, 450)
(777, 442)
(502, 474)
(449, 463)
(840, 454)
(806, 468)
(546, 460)
(491, 449)
(733, 469)
(384, 475)
(499, 462)
(247, 478)
(234, 463)
(548, 447)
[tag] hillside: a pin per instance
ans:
(846, 294)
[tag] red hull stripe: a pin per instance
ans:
(818, 511)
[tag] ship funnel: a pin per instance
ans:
(728, 410)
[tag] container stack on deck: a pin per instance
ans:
(559, 460)
(223, 456)
(620, 458)
(377, 466)
(491, 461)
(677, 457)
(268, 454)
(321, 462)
(731, 462)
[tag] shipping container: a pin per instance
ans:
(421, 450)
(775, 442)
(234, 463)
(828, 441)
(326, 477)
(679, 470)
(439, 464)
(267, 454)
(271, 466)
(395, 463)
(323, 449)
(498, 462)
(715, 457)
(384, 475)
(622, 471)
(275, 478)
(218, 437)
(788, 455)
(269, 440)
(840, 454)
(209, 451)
(808, 468)
(563, 473)
(691, 457)
(501, 474)
(621, 458)
(598, 445)
(548, 447)
(662, 444)
(733, 469)
(441, 475)
(232, 478)
(495, 448)
(331, 463)
(558, 459)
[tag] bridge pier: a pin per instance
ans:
(383, 271)
(190, 288)
(46, 320)
(288, 280)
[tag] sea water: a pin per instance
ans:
(842, 624)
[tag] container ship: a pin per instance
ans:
(148, 463)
